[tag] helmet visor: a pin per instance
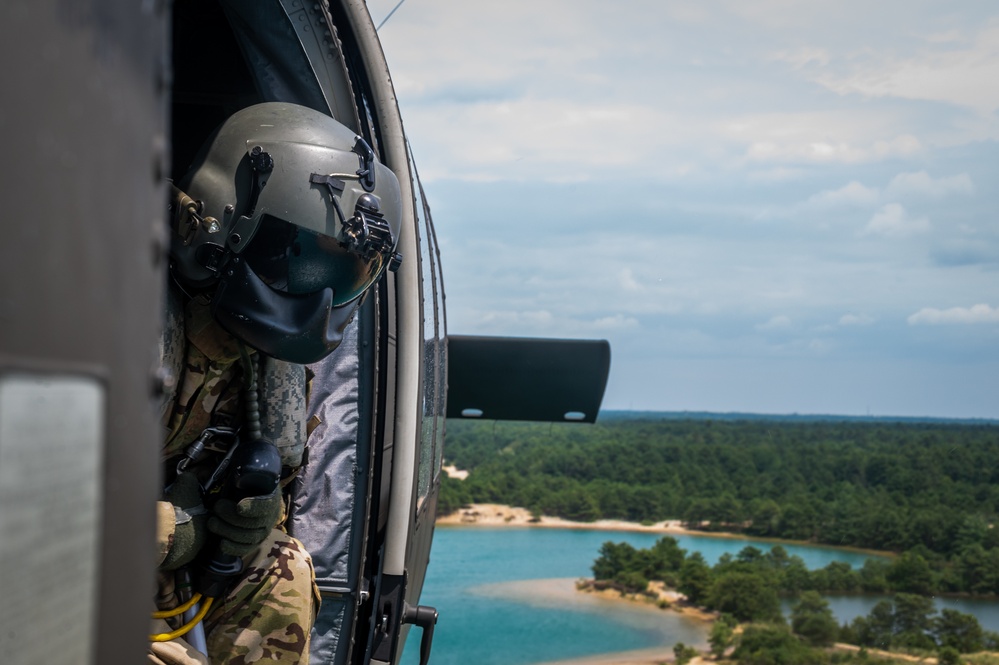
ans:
(296, 328)
(296, 260)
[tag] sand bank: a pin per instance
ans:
(562, 593)
(653, 656)
(494, 514)
(659, 597)
(454, 472)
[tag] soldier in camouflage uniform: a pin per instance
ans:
(268, 613)
(267, 270)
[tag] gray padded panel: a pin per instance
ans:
(324, 495)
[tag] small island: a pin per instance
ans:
(741, 596)
(656, 595)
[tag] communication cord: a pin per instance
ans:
(166, 614)
(183, 630)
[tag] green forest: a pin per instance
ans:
(929, 491)
(746, 589)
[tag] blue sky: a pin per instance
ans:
(765, 206)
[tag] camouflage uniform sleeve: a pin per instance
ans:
(268, 614)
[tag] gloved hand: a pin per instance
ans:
(191, 517)
(244, 524)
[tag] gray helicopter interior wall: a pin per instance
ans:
(83, 123)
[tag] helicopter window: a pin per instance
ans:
(432, 432)
(429, 364)
(441, 321)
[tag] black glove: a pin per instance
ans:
(244, 524)
(190, 517)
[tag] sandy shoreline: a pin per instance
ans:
(673, 600)
(652, 656)
(499, 515)
(560, 592)
(495, 514)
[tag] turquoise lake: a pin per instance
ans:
(485, 622)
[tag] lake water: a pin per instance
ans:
(485, 622)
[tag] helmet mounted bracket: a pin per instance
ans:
(188, 218)
(366, 157)
(261, 164)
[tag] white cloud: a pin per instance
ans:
(616, 322)
(779, 322)
(800, 135)
(851, 194)
(821, 346)
(776, 174)
(921, 184)
(892, 221)
(556, 140)
(546, 323)
(833, 152)
(538, 319)
(903, 186)
(940, 73)
(948, 37)
(980, 313)
(855, 320)
(574, 91)
(803, 57)
(628, 282)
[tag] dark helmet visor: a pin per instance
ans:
(297, 261)
(301, 328)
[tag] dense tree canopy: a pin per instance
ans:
(928, 489)
(812, 619)
(774, 644)
(746, 588)
(907, 622)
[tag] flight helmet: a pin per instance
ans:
(285, 218)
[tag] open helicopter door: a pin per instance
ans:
(365, 502)
(407, 357)
(361, 492)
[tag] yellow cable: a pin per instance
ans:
(183, 630)
(166, 614)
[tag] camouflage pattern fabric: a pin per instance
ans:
(173, 346)
(209, 387)
(282, 408)
(268, 615)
